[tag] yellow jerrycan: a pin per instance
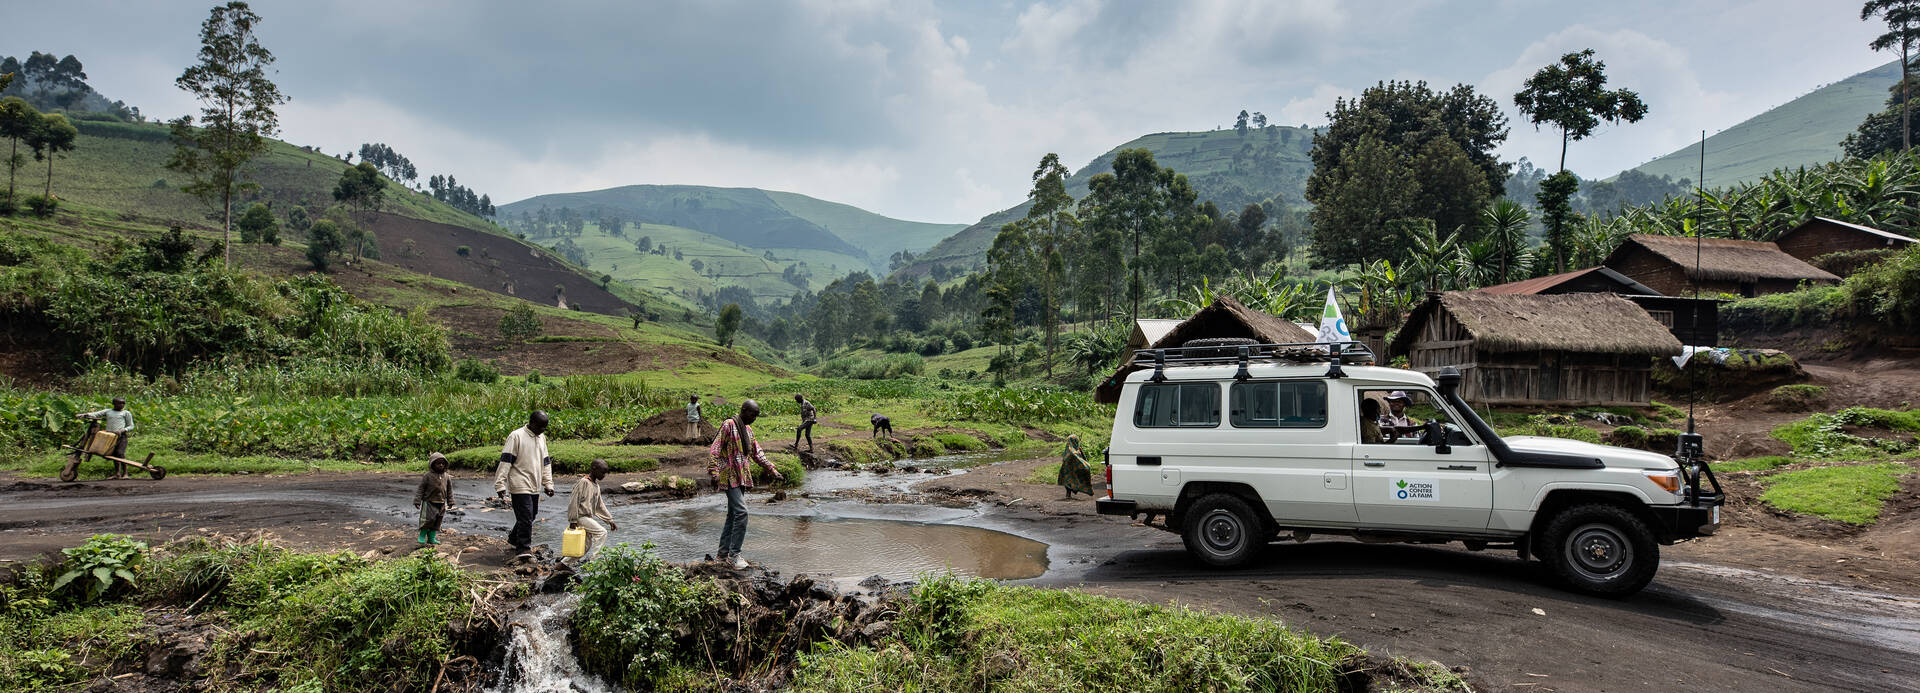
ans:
(573, 542)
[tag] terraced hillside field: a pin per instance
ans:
(723, 263)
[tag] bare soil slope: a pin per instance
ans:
(492, 262)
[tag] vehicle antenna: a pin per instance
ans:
(1694, 332)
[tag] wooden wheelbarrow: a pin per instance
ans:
(98, 443)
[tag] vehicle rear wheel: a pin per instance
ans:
(72, 469)
(1221, 530)
(1601, 550)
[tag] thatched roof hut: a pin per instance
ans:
(1671, 266)
(1225, 317)
(1538, 349)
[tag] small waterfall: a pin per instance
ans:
(540, 656)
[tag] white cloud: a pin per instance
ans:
(1312, 109)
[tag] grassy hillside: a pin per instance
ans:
(122, 167)
(1804, 131)
(723, 263)
(880, 236)
(1223, 165)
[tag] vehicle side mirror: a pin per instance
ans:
(1437, 434)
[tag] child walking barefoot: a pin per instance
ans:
(433, 498)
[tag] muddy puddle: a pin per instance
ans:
(848, 547)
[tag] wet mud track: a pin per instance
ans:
(1699, 626)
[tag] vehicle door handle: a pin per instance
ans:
(1458, 468)
(1147, 460)
(1372, 463)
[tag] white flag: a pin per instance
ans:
(1332, 327)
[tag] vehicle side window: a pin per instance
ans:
(1296, 404)
(1176, 405)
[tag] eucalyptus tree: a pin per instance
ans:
(1903, 29)
(18, 121)
(236, 116)
(1571, 95)
(54, 137)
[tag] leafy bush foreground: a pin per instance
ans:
(282, 619)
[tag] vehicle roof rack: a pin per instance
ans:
(1334, 354)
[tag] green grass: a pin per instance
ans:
(1852, 494)
(1047, 474)
(977, 636)
(1537, 425)
(1804, 131)
(1797, 397)
(1754, 464)
(1824, 436)
(116, 167)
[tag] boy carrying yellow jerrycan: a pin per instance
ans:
(584, 532)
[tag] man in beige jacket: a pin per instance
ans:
(525, 470)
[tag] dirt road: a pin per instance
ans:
(1709, 621)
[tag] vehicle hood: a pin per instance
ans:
(1612, 456)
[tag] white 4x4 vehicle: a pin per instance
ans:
(1234, 445)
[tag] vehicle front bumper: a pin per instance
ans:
(1688, 521)
(1110, 506)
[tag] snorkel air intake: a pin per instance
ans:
(1449, 380)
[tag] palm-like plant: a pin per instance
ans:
(1504, 224)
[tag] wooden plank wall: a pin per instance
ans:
(1515, 377)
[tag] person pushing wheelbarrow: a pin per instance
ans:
(119, 422)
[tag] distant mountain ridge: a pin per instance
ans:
(1226, 166)
(756, 218)
(1801, 132)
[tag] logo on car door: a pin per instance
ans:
(1416, 489)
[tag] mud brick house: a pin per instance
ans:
(1538, 349)
(1692, 321)
(1226, 317)
(1822, 236)
(1741, 268)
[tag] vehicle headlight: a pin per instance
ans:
(1669, 480)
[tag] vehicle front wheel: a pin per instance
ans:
(1601, 550)
(1222, 530)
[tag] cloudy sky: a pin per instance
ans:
(931, 111)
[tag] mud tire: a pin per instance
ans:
(1602, 550)
(72, 469)
(157, 472)
(1222, 531)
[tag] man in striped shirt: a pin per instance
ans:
(730, 451)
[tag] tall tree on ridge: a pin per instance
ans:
(18, 121)
(236, 116)
(1571, 95)
(1903, 28)
(54, 136)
